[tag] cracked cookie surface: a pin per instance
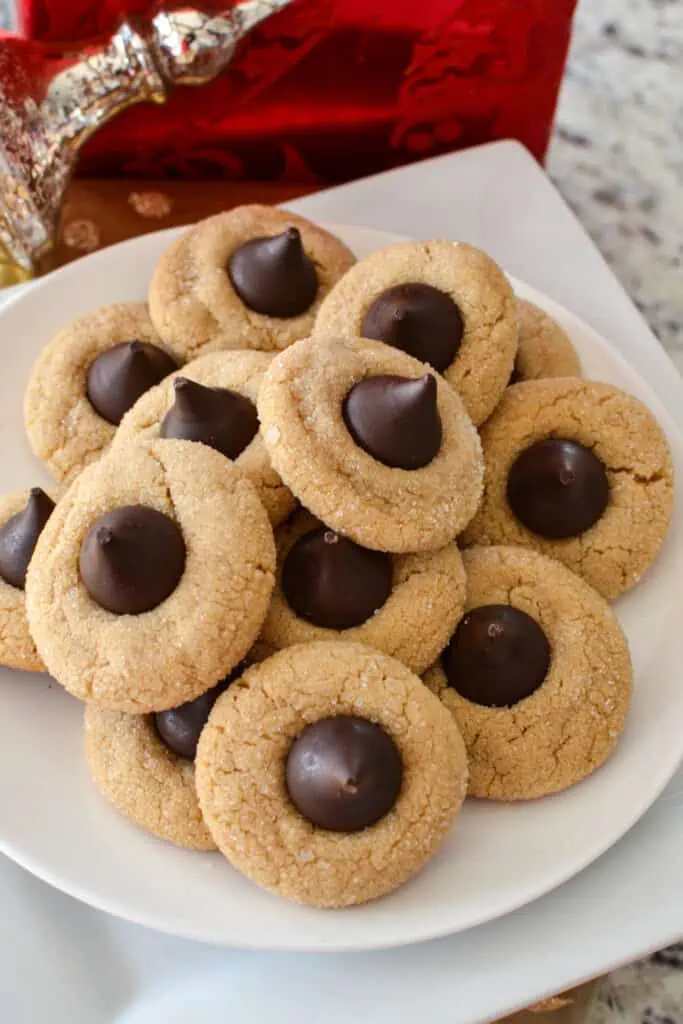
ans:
(166, 656)
(140, 777)
(413, 625)
(17, 649)
(64, 430)
(301, 411)
(616, 551)
(572, 722)
(545, 350)
(483, 363)
(193, 304)
(241, 783)
(240, 371)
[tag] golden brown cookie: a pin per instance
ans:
(22, 517)
(569, 724)
(581, 471)
(239, 372)
(193, 297)
(152, 577)
(445, 303)
(289, 731)
(65, 430)
(304, 408)
(545, 350)
(144, 780)
(329, 588)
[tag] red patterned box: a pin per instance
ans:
(329, 90)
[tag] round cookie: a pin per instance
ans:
(304, 407)
(64, 429)
(425, 595)
(571, 723)
(28, 511)
(175, 650)
(192, 300)
(479, 360)
(145, 781)
(545, 350)
(245, 774)
(617, 453)
(241, 372)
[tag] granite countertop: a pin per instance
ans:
(617, 158)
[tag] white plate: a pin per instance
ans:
(498, 857)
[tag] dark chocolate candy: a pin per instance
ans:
(274, 276)
(497, 656)
(180, 728)
(395, 419)
(218, 417)
(132, 559)
(118, 377)
(18, 537)
(419, 319)
(557, 488)
(344, 773)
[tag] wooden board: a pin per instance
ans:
(103, 208)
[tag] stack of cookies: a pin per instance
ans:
(333, 547)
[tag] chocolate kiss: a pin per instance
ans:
(18, 537)
(395, 419)
(218, 417)
(419, 319)
(132, 559)
(274, 276)
(118, 377)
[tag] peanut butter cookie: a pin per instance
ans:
(580, 471)
(537, 675)
(329, 774)
(220, 411)
(376, 446)
(545, 350)
(152, 577)
(444, 303)
(86, 379)
(253, 277)
(329, 588)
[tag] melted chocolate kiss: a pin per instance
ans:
(274, 276)
(419, 319)
(19, 534)
(118, 377)
(332, 582)
(344, 773)
(219, 418)
(132, 558)
(557, 488)
(395, 419)
(497, 656)
(180, 728)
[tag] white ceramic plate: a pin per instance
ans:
(498, 857)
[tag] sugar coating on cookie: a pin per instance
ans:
(17, 649)
(614, 553)
(193, 303)
(302, 422)
(545, 350)
(138, 775)
(424, 604)
(239, 371)
(572, 722)
(240, 771)
(481, 367)
(64, 429)
(172, 653)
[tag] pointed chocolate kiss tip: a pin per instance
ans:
(104, 536)
(120, 374)
(395, 419)
(274, 275)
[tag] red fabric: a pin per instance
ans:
(329, 90)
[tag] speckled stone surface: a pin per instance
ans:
(617, 158)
